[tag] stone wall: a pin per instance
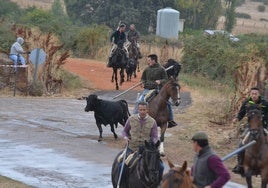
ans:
(8, 75)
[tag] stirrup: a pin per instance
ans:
(172, 124)
(238, 170)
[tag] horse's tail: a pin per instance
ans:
(126, 112)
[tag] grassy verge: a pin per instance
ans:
(10, 183)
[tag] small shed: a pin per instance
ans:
(168, 23)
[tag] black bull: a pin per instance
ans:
(107, 112)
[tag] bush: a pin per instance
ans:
(90, 39)
(242, 15)
(264, 19)
(261, 8)
(217, 57)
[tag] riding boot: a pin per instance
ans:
(238, 169)
(172, 123)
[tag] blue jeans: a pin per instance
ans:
(15, 59)
(170, 111)
(141, 98)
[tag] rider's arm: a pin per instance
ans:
(242, 112)
(126, 130)
(164, 77)
(223, 176)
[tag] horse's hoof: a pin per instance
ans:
(117, 88)
(162, 154)
(99, 140)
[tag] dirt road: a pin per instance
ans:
(52, 142)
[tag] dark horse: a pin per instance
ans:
(142, 175)
(177, 177)
(175, 70)
(256, 156)
(118, 61)
(134, 56)
(158, 106)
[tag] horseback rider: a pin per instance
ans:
(138, 128)
(118, 37)
(154, 77)
(133, 36)
(253, 99)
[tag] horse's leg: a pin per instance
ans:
(112, 129)
(115, 76)
(263, 183)
(138, 66)
(100, 131)
(162, 137)
(248, 179)
(122, 75)
(112, 77)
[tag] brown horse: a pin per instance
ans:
(177, 177)
(158, 108)
(256, 156)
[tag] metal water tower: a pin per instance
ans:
(168, 21)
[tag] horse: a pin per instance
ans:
(134, 55)
(144, 174)
(158, 108)
(175, 70)
(177, 177)
(256, 156)
(118, 61)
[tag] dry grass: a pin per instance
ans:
(9, 183)
(253, 25)
(42, 4)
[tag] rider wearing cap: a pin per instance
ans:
(208, 169)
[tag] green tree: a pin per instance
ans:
(200, 14)
(230, 15)
(39, 18)
(9, 10)
(110, 12)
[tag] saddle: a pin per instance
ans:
(150, 95)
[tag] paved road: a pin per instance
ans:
(51, 143)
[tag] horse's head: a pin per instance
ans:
(254, 115)
(177, 177)
(151, 157)
(173, 90)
